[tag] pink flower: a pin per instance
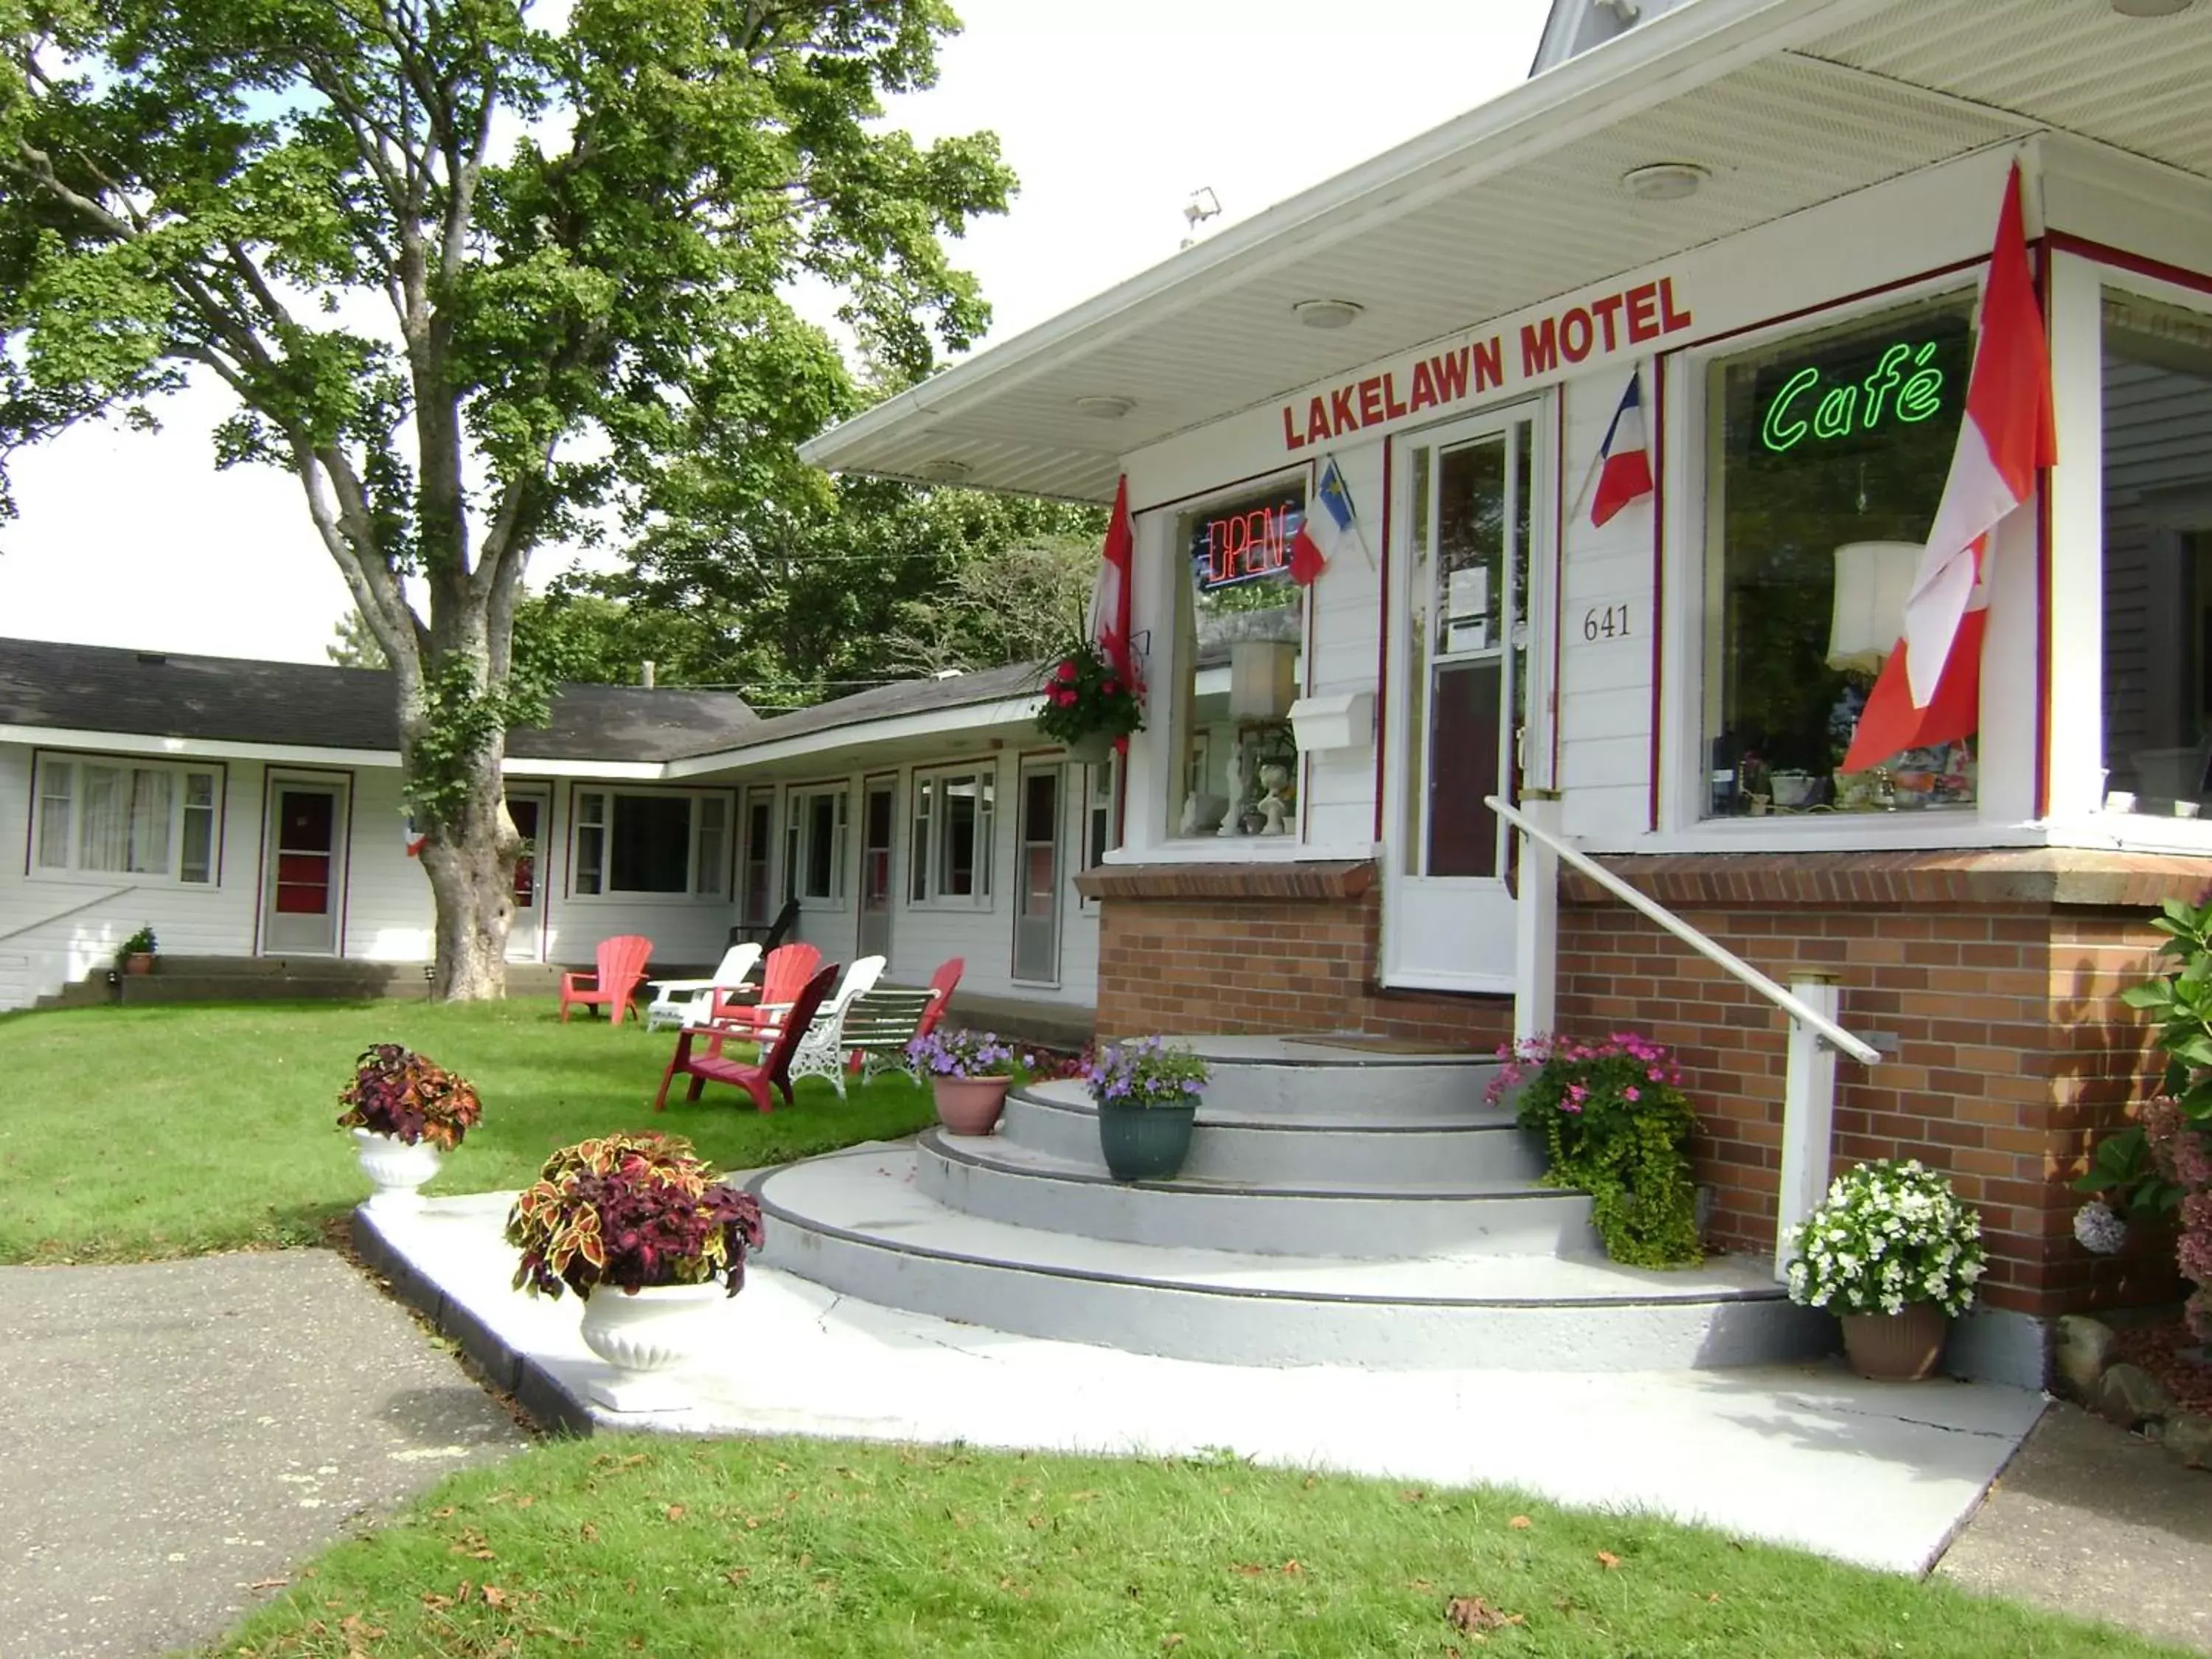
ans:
(1066, 671)
(1112, 688)
(1063, 698)
(1631, 1094)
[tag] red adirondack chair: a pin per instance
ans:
(942, 984)
(784, 973)
(773, 1070)
(622, 962)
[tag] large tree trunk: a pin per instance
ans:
(470, 864)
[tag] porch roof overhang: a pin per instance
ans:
(1786, 103)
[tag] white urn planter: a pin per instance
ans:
(395, 1168)
(640, 1337)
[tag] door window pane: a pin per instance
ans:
(959, 838)
(57, 782)
(1828, 456)
(196, 858)
(590, 841)
(714, 817)
(525, 812)
(760, 815)
(2158, 554)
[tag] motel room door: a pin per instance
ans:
(305, 871)
(878, 816)
(1037, 914)
(1470, 579)
(531, 811)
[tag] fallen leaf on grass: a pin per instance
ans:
(675, 1511)
(1413, 1496)
(495, 1597)
(1520, 1523)
(1473, 1614)
(1293, 1569)
(588, 1532)
(1422, 1584)
(1608, 1558)
(1174, 1638)
(738, 1575)
(1249, 1569)
(436, 1602)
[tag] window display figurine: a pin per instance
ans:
(1272, 807)
(1240, 781)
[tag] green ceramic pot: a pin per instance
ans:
(1146, 1143)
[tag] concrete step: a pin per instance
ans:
(1340, 1078)
(998, 1181)
(860, 1223)
(1374, 1150)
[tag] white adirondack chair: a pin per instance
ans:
(689, 1001)
(821, 1052)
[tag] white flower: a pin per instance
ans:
(2098, 1230)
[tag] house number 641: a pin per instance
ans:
(1608, 623)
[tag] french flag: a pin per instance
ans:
(1625, 458)
(1328, 525)
(1928, 692)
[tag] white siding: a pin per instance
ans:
(1347, 642)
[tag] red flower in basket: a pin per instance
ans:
(1066, 671)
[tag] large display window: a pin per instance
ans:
(1240, 641)
(1826, 457)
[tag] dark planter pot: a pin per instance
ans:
(1092, 748)
(1144, 1143)
(1898, 1347)
(138, 962)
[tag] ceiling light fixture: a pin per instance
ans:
(2149, 8)
(1104, 408)
(1327, 313)
(1664, 181)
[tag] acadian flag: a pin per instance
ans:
(1110, 595)
(1328, 525)
(1929, 690)
(1624, 458)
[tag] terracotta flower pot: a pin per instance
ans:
(138, 962)
(1144, 1143)
(970, 1105)
(1898, 1347)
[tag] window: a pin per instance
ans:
(1828, 456)
(657, 844)
(1098, 837)
(949, 861)
(814, 845)
(124, 819)
(2158, 557)
(1240, 629)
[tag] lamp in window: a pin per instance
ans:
(1873, 581)
(1263, 679)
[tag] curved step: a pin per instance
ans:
(978, 1175)
(1058, 1120)
(857, 1222)
(1339, 1078)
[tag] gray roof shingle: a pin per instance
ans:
(90, 687)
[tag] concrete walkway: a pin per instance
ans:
(1881, 1475)
(179, 1435)
(2095, 1522)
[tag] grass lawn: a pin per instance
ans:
(779, 1547)
(127, 1133)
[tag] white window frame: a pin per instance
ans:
(925, 825)
(1168, 771)
(707, 877)
(799, 871)
(2006, 759)
(1100, 799)
(48, 766)
(2079, 283)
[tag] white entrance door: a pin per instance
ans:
(532, 812)
(305, 880)
(1470, 581)
(1037, 914)
(879, 815)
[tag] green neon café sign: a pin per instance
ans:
(1815, 404)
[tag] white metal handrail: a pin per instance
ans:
(1719, 955)
(62, 915)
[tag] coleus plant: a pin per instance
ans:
(630, 1211)
(399, 1093)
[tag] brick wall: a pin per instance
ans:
(1998, 974)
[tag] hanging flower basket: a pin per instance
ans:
(1091, 706)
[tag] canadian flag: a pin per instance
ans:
(1110, 595)
(1929, 690)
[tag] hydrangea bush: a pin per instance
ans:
(630, 1211)
(1146, 1072)
(2159, 1168)
(1889, 1234)
(1616, 1126)
(399, 1093)
(961, 1054)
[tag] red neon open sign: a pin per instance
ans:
(1246, 542)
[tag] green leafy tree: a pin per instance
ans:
(353, 645)
(480, 275)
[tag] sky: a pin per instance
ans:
(1111, 114)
